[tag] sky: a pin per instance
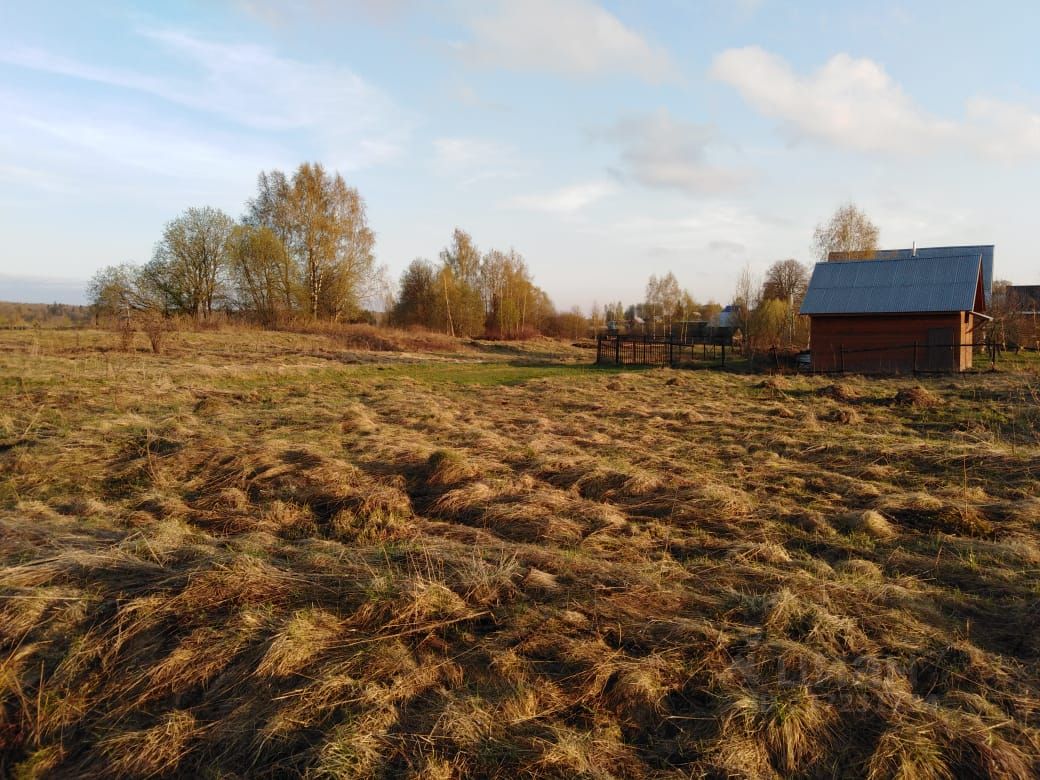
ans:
(604, 141)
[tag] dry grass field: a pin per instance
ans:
(268, 555)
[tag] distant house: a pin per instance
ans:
(901, 313)
(724, 327)
(1023, 298)
(1019, 306)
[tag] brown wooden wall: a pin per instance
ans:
(885, 343)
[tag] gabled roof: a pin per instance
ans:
(928, 284)
(984, 250)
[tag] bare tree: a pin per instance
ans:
(115, 291)
(1013, 324)
(596, 321)
(188, 269)
(762, 320)
(849, 230)
(746, 300)
(669, 296)
(787, 281)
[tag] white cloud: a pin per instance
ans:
(474, 159)
(710, 230)
(566, 200)
(662, 152)
(854, 103)
(1005, 130)
(572, 37)
(354, 123)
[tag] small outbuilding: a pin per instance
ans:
(921, 312)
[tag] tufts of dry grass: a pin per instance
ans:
(283, 555)
(840, 391)
(869, 523)
(448, 467)
(917, 396)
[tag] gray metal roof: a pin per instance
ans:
(928, 284)
(985, 250)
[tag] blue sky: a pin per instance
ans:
(604, 141)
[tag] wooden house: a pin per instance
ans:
(920, 312)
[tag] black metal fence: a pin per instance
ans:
(643, 350)
(914, 358)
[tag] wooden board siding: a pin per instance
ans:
(878, 343)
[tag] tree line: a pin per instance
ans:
(469, 293)
(766, 308)
(763, 308)
(303, 248)
(665, 308)
(303, 251)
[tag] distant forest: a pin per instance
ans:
(44, 315)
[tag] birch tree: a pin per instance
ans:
(849, 230)
(324, 226)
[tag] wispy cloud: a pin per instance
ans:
(571, 37)
(157, 149)
(281, 13)
(251, 85)
(711, 228)
(566, 200)
(73, 145)
(854, 103)
(32, 177)
(474, 159)
(660, 151)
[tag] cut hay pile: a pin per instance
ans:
(917, 396)
(842, 416)
(870, 523)
(839, 392)
(774, 387)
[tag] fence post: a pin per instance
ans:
(841, 358)
(599, 346)
(915, 359)
(671, 353)
(617, 349)
(723, 354)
